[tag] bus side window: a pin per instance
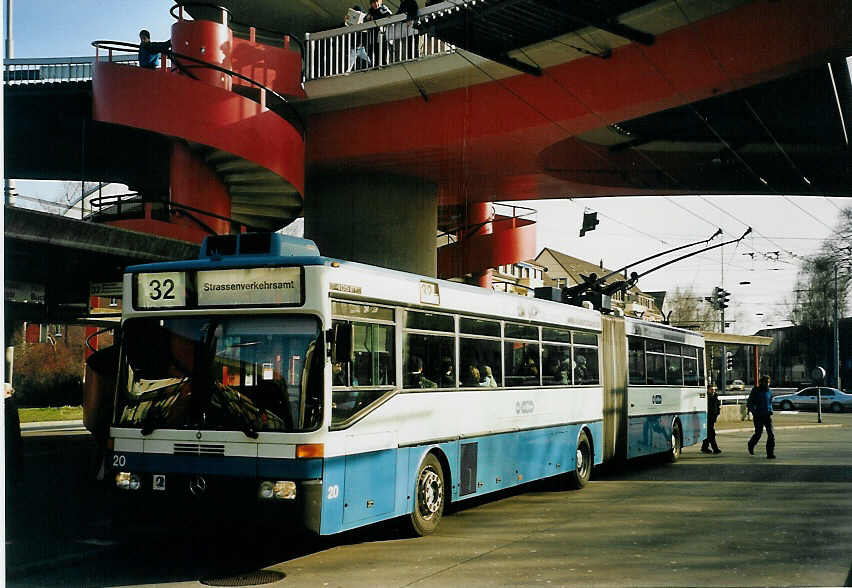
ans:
(636, 360)
(429, 361)
(481, 363)
(522, 364)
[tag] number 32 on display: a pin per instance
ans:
(163, 289)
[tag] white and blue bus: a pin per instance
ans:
(264, 374)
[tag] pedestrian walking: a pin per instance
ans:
(714, 407)
(760, 404)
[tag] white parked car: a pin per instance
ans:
(832, 399)
(736, 385)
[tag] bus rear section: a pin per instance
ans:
(665, 406)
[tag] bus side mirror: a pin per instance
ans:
(341, 343)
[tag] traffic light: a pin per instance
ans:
(729, 361)
(590, 221)
(720, 298)
(714, 298)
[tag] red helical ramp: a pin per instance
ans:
(488, 240)
(237, 156)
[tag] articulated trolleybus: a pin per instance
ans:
(268, 376)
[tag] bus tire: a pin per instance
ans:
(429, 497)
(677, 442)
(583, 467)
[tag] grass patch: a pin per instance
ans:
(59, 413)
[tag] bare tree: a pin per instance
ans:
(686, 309)
(816, 291)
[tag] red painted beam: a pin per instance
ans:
(484, 139)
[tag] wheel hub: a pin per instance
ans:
(431, 494)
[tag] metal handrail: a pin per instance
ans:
(111, 199)
(452, 234)
(180, 5)
(134, 198)
(123, 46)
(392, 40)
(46, 70)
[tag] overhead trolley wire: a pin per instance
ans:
(722, 140)
(599, 155)
(590, 110)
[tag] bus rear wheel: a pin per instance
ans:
(583, 469)
(677, 442)
(429, 498)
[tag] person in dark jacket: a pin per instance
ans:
(149, 53)
(377, 52)
(714, 407)
(760, 405)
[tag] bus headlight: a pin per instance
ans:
(127, 481)
(267, 490)
(285, 490)
(280, 490)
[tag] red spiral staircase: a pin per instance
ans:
(237, 152)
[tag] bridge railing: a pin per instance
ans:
(501, 214)
(46, 70)
(373, 45)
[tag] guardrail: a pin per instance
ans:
(373, 45)
(500, 213)
(47, 70)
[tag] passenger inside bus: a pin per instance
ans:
(448, 376)
(487, 376)
(579, 369)
(557, 373)
(470, 376)
(338, 375)
(414, 378)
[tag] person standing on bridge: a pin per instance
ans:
(378, 52)
(760, 404)
(149, 53)
(714, 407)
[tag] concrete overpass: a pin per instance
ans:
(639, 98)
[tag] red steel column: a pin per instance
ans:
(477, 214)
(207, 41)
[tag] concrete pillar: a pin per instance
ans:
(380, 219)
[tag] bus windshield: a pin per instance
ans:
(246, 374)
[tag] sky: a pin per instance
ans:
(629, 229)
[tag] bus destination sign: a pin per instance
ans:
(238, 287)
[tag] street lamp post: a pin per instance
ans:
(836, 336)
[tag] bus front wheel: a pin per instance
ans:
(429, 498)
(583, 470)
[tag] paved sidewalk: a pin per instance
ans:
(787, 419)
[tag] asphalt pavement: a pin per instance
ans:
(707, 520)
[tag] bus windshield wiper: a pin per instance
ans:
(232, 406)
